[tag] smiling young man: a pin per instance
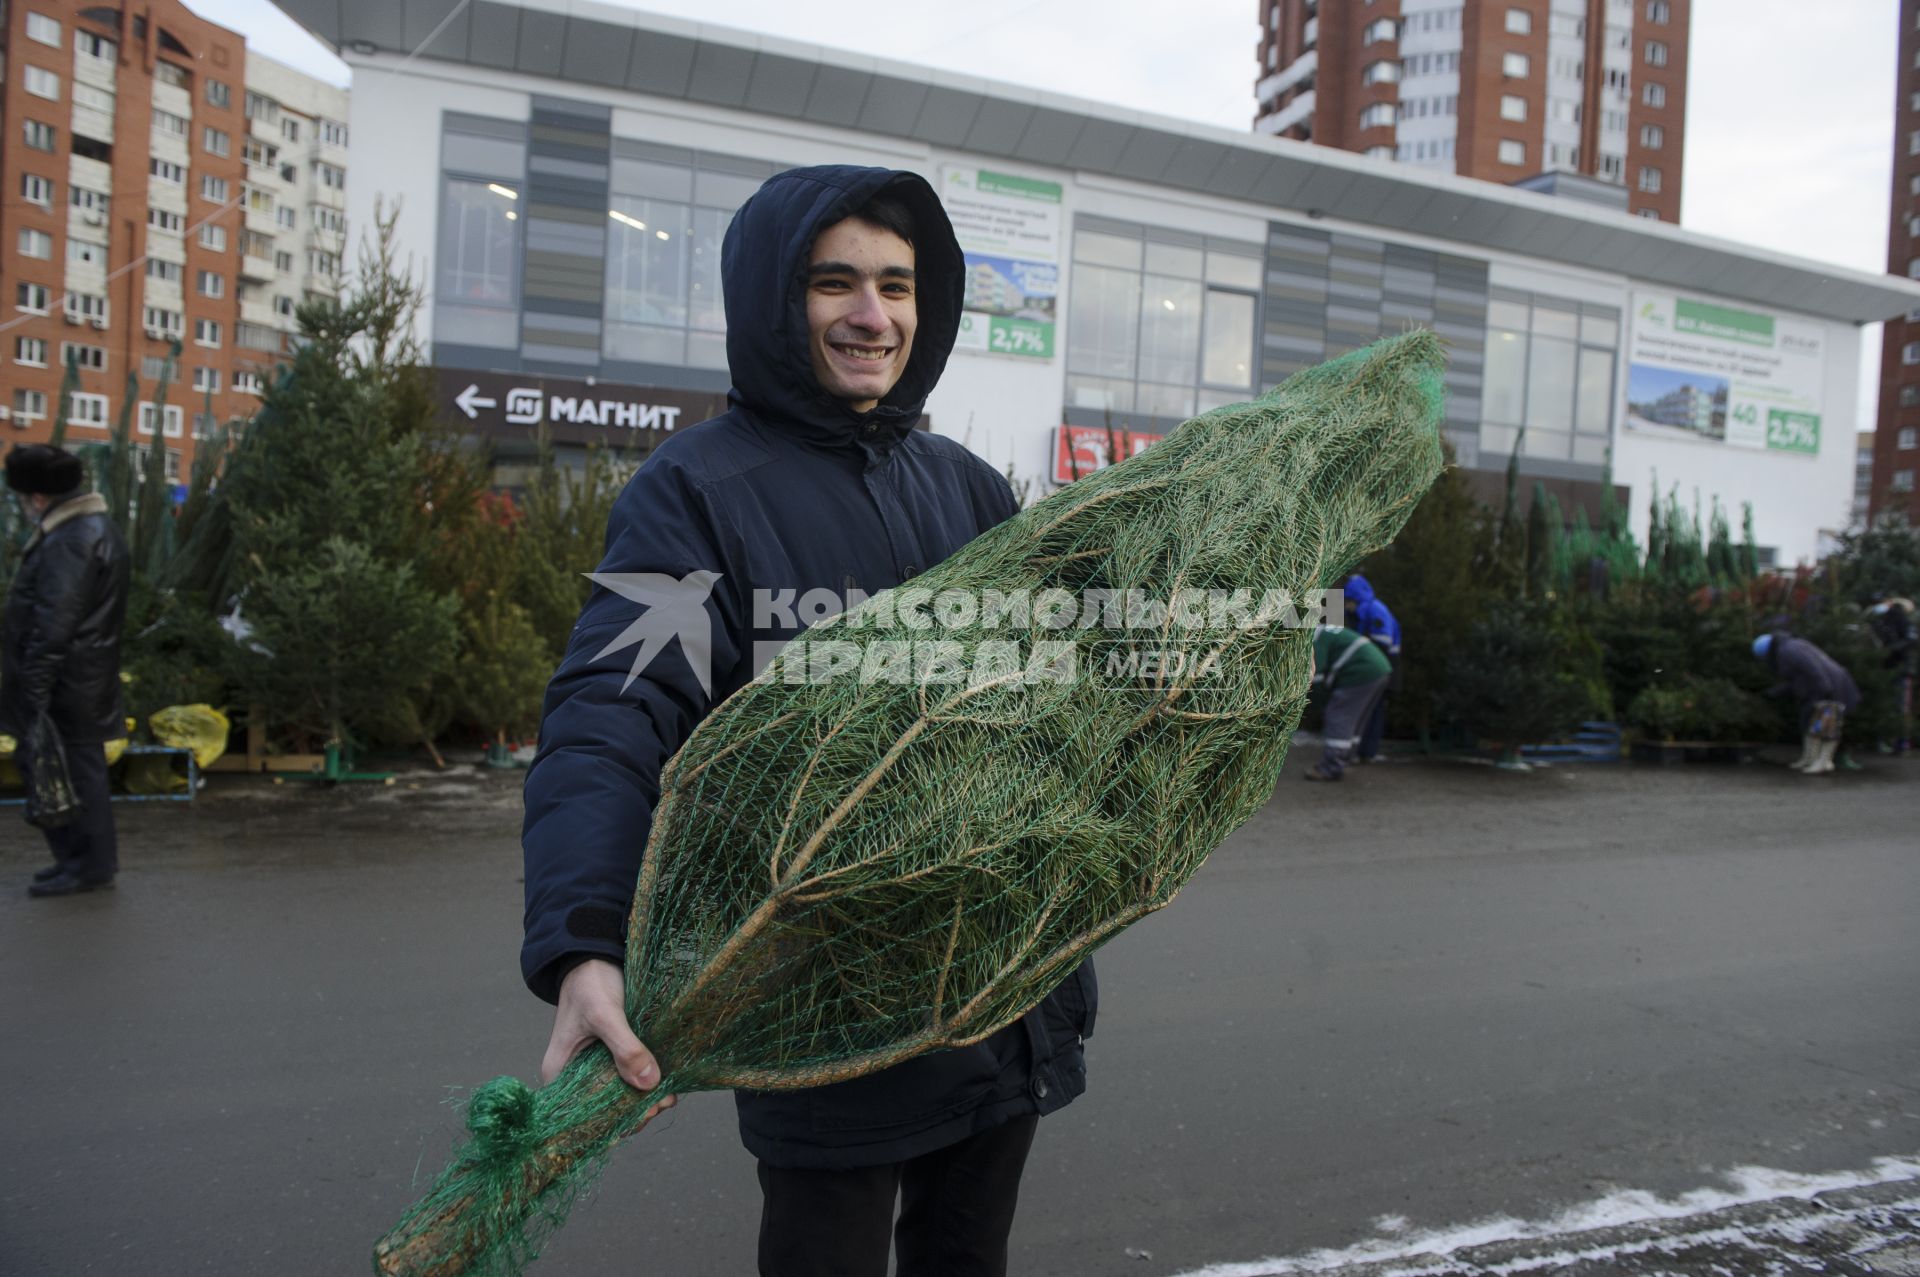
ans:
(861, 312)
(843, 291)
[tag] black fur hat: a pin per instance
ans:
(44, 469)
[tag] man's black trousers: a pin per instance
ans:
(956, 1209)
(86, 846)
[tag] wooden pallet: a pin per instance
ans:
(257, 760)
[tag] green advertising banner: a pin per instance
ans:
(1009, 230)
(1793, 431)
(1715, 373)
(1722, 321)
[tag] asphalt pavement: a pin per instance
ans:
(1430, 997)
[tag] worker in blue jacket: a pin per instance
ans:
(1376, 621)
(843, 290)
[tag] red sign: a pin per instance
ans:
(1080, 450)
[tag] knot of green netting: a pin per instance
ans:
(500, 1119)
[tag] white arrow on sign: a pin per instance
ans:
(469, 401)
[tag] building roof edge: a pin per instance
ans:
(1024, 125)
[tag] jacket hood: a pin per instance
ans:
(1777, 644)
(1359, 590)
(763, 270)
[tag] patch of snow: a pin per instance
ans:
(1629, 1206)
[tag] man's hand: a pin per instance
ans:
(592, 1008)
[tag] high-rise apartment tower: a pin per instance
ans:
(1496, 89)
(1896, 443)
(160, 185)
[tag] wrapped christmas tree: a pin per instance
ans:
(921, 817)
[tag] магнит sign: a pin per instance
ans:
(515, 405)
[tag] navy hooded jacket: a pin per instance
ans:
(1809, 673)
(787, 494)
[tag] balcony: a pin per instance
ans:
(266, 176)
(172, 99)
(163, 246)
(1301, 70)
(93, 122)
(260, 220)
(170, 196)
(258, 312)
(260, 338)
(162, 294)
(96, 72)
(88, 225)
(1301, 108)
(84, 277)
(162, 145)
(255, 269)
(92, 174)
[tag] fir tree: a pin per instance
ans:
(342, 495)
(561, 536)
(1435, 577)
(1541, 533)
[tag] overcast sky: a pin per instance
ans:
(1789, 122)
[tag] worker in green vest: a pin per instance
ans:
(1353, 671)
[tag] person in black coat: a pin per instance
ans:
(60, 654)
(1822, 686)
(843, 289)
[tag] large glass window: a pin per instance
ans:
(647, 262)
(482, 214)
(1102, 331)
(667, 215)
(1228, 338)
(1157, 328)
(1550, 368)
(477, 243)
(478, 292)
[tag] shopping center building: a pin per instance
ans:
(564, 172)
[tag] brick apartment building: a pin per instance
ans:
(1896, 442)
(1502, 90)
(149, 196)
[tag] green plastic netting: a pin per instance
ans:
(917, 822)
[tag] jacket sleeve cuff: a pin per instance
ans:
(545, 981)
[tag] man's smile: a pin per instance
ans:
(864, 353)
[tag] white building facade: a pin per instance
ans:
(293, 241)
(564, 172)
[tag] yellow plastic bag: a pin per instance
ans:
(149, 774)
(200, 728)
